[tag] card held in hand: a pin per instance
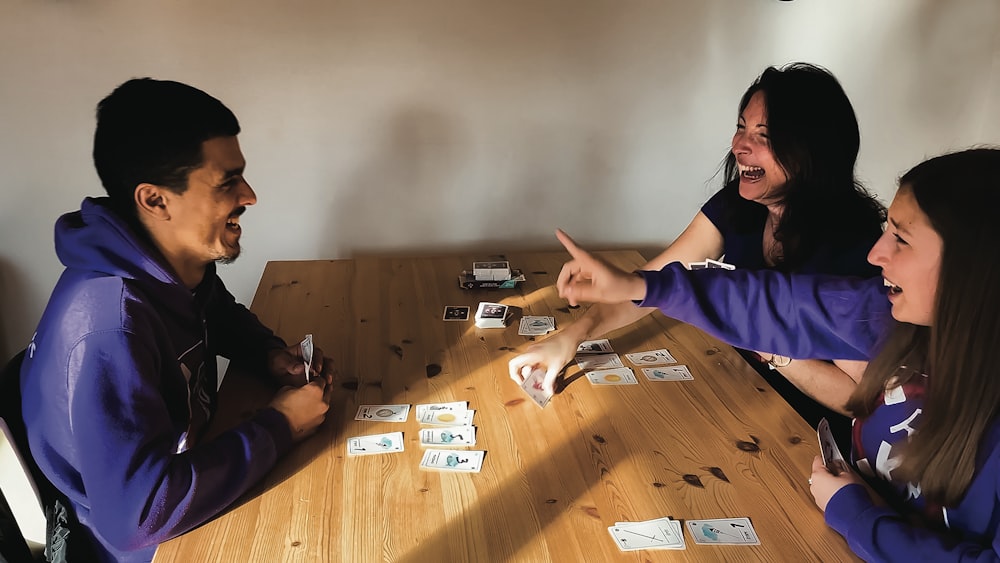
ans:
(462, 461)
(832, 458)
(306, 348)
(533, 387)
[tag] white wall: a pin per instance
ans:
(424, 126)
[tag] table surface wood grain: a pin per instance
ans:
(723, 445)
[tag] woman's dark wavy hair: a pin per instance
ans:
(814, 136)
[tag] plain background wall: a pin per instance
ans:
(426, 126)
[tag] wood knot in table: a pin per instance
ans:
(540, 273)
(505, 349)
(351, 385)
(749, 446)
(591, 511)
(433, 370)
(712, 351)
(396, 350)
(717, 472)
(600, 439)
(551, 501)
(693, 480)
(795, 440)
(563, 310)
(513, 402)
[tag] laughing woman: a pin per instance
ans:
(927, 433)
(790, 203)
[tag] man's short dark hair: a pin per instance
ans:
(151, 131)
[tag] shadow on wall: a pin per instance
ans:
(13, 310)
(389, 199)
(415, 194)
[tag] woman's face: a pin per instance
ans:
(762, 178)
(909, 253)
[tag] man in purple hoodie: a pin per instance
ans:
(119, 380)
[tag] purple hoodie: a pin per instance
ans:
(804, 316)
(120, 380)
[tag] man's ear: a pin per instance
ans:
(151, 201)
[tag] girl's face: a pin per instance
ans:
(909, 253)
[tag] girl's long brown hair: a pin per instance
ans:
(960, 351)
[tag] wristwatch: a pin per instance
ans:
(776, 361)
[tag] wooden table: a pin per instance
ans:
(554, 479)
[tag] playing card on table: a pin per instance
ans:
(599, 361)
(651, 358)
(464, 461)
(386, 413)
(662, 533)
(422, 409)
(668, 373)
(533, 387)
(306, 348)
(448, 436)
(456, 313)
(832, 458)
(723, 531)
(535, 325)
(447, 418)
(616, 376)
(375, 444)
(602, 346)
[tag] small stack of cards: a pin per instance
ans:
(492, 315)
(451, 425)
(662, 533)
(379, 443)
(536, 325)
(491, 271)
(601, 366)
(710, 264)
(663, 372)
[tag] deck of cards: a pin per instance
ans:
(492, 315)
(491, 271)
(536, 325)
(662, 533)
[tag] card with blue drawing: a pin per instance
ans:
(448, 436)
(375, 444)
(723, 531)
(668, 373)
(461, 461)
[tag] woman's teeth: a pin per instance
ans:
(751, 172)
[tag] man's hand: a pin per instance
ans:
(288, 367)
(305, 407)
(550, 354)
(586, 279)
